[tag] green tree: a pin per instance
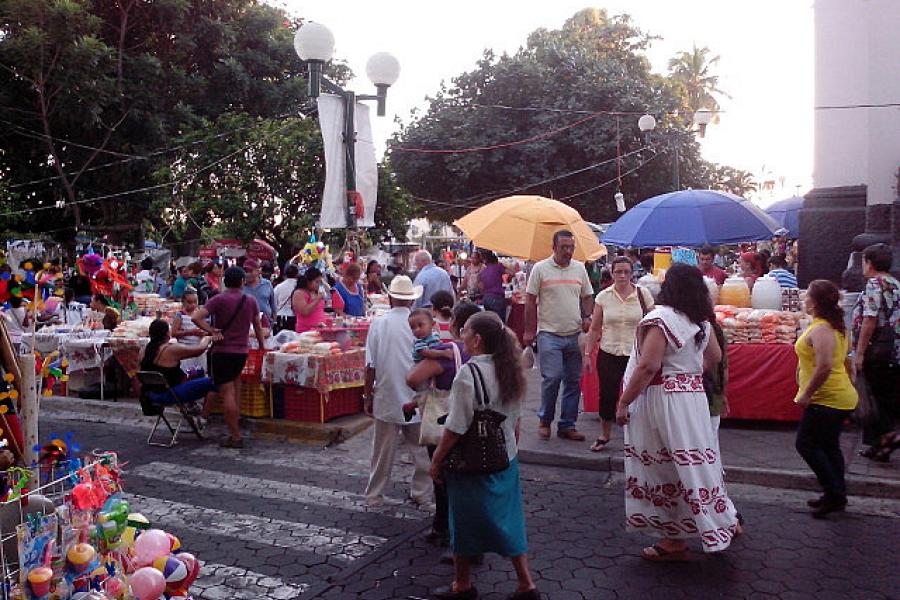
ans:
(694, 71)
(730, 179)
(594, 64)
(93, 95)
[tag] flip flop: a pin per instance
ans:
(598, 444)
(657, 553)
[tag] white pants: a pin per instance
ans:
(384, 447)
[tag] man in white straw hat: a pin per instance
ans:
(388, 361)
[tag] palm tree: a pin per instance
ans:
(693, 70)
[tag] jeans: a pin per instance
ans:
(496, 305)
(818, 442)
(560, 359)
(187, 391)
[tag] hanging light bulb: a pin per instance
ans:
(620, 201)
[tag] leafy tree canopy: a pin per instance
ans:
(594, 64)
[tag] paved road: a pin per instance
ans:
(288, 521)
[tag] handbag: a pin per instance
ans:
(640, 295)
(481, 450)
(435, 404)
(882, 349)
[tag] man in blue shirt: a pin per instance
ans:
(259, 288)
(431, 277)
(778, 270)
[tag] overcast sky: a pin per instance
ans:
(766, 65)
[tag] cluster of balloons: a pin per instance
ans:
(163, 568)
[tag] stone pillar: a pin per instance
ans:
(857, 145)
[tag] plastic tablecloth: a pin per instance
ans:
(323, 372)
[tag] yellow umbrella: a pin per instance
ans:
(523, 226)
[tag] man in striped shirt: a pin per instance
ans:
(558, 306)
(778, 270)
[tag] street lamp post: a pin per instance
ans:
(647, 124)
(314, 44)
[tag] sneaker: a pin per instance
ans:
(230, 442)
(571, 434)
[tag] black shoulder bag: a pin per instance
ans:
(881, 348)
(481, 450)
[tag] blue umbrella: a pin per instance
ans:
(787, 213)
(692, 218)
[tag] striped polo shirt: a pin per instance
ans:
(785, 278)
(559, 291)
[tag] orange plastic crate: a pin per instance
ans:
(253, 367)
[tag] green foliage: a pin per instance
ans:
(594, 63)
(693, 72)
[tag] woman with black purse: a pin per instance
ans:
(476, 457)
(876, 340)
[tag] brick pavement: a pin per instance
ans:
(287, 521)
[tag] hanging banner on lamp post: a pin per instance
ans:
(334, 198)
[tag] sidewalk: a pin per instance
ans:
(753, 452)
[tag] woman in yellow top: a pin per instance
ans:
(617, 311)
(826, 392)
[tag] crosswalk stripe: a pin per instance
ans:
(309, 461)
(213, 575)
(270, 489)
(305, 537)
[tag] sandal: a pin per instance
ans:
(657, 553)
(876, 453)
(598, 444)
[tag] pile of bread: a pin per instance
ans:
(310, 342)
(753, 326)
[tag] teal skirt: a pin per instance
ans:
(486, 513)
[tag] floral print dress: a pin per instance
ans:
(674, 484)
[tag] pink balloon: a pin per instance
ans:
(193, 567)
(151, 545)
(147, 584)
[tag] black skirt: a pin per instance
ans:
(610, 370)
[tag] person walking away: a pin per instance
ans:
(876, 324)
(826, 394)
(617, 311)
(490, 282)
(666, 417)
(232, 313)
(486, 513)
(558, 305)
(440, 367)
(388, 361)
(778, 270)
(442, 309)
(262, 291)
(284, 312)
(431, 277)
(352, 291)
(707, 261)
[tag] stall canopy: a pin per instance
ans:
(692, 218)
(787, 213)
(523, 227)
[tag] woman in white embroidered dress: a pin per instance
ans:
(674, 486)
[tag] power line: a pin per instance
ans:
(613, 180)
(527, 140)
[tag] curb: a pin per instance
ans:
(128, 412)
(773, 478)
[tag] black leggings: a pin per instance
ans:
(818, 442)
(610, 370)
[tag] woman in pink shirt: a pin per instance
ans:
(307, 302)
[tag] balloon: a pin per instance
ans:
(172, 569)
(193, 568)
(147, 584)
(114, 587)
(39, 578)
(150, 545)
(175, 542)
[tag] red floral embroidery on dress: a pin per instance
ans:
(667, 495)
(682, 382)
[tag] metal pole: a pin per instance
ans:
(350, 144)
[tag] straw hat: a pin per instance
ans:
(402, 288)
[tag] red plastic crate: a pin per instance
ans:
(309, 406)
(253, 367)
